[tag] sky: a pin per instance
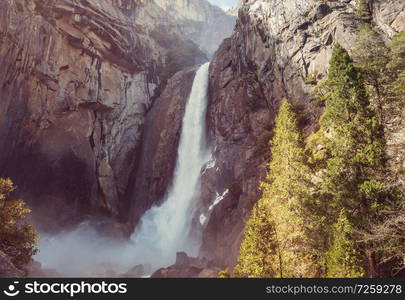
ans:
(225, 4)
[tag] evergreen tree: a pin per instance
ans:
(396, 67)
(372, 56)
(280, 238)
(383, 69)
(353, 160)
(354, 137)
(343, 258)
(17, 239)
(288, 197)
(258, 249)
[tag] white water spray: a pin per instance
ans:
(164, 230)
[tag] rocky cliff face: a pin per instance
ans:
(205, 24)
(275, 47)
(233, 11)
(160, 141)
(7, 268)
(76, 83)
(92, 95)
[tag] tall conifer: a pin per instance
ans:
(289, 236)
(354, 152)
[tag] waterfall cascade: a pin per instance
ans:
(164, 230)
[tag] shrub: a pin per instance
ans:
(18, 239)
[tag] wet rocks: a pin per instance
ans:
(158, 151)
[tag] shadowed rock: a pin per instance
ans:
(188, 267)
(7, 268)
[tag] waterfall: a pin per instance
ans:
(164, 230)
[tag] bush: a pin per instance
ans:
(362, 10)
(224, 273)
(18, 239)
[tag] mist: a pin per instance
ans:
(167, 229)
(86, 252)
(162, 232)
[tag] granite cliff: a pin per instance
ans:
(77, 81)
(203, 23)
(275, 48)
(92, 95)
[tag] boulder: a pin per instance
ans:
(187, 267)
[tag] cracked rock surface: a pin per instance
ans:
(76, 83)
(276, 46)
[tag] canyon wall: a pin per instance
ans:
(92, 95)
(205, 24)
(275, 48)
(76, 83)
(158, 151)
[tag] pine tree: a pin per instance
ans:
(396, 67)
(354, 137)
(280, 238)
(371, 56)
(288, 196)
(258, 249)
(18, 239)
(383, 69)
(363, 10)
(353, 159)
(343, 258)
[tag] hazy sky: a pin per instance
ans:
(224, 3)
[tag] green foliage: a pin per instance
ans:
(258, 249)
(397, 89)
(279, 239)
(343, 258)
(397, 53)
(354, 137)
(396, 67)
(288, 194)
(363, 10)
(224, 273)
(17, 238)
(332, 209)
(383, 69)
(316, 150)
(352, 163)
(372, 56)
(310, 79)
